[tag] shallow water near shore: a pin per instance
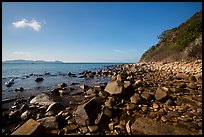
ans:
(24, 75)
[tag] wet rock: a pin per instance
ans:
(19, 89)
(93, 128)
(9, 84)
(62, 85)
(113, 88)
(55, 91)
(84, 87)
(87, 113)
(42, 99)
(147, 126)
(31, 127)
(160, 94)
(39, 79)
(135, 98)
(49, 122)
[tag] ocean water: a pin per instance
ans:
(20, 72)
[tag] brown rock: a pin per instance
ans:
(49, 122)
(113, 88)
(160, 94)
(135, 98)
(31, 127)
(87, 113)
(93, 128)
(147, 126)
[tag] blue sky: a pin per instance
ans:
(89, 31)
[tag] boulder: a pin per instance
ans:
(62, 85)
(42, 99)
(87, 113)
(146, 95)
(118, 78)
(147, 126)
(54, 106)
(90, 92)
(160, 94)
(84, 87)
(55, 91)
(135, 98)
(39, 79)
(31, 127)
(49, 122)
(113, 88)
(19, 89)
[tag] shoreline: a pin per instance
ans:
(168, 95)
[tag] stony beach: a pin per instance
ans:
(154, 98)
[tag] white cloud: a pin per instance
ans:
(118, 51)
(24, 23)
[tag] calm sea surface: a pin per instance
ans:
(20, 72)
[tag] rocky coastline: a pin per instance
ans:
(148, 98)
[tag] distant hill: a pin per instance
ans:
(183, 42)
(31, 61)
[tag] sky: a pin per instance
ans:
(87, 31)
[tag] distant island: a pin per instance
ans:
(31, 61)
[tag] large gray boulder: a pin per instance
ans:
(147, 126)
(87, 113)
(113, 88)
(42, 99)
(49, 122)
(160, 94)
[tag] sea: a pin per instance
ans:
(24, 75)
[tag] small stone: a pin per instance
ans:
(70, 128)
(128, 129)
(83, 130)
(155, 105)
(111, 126)
(163, 118)
(135, 98)
(93, 128)
(19, 89)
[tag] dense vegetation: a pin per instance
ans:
(183, 42)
